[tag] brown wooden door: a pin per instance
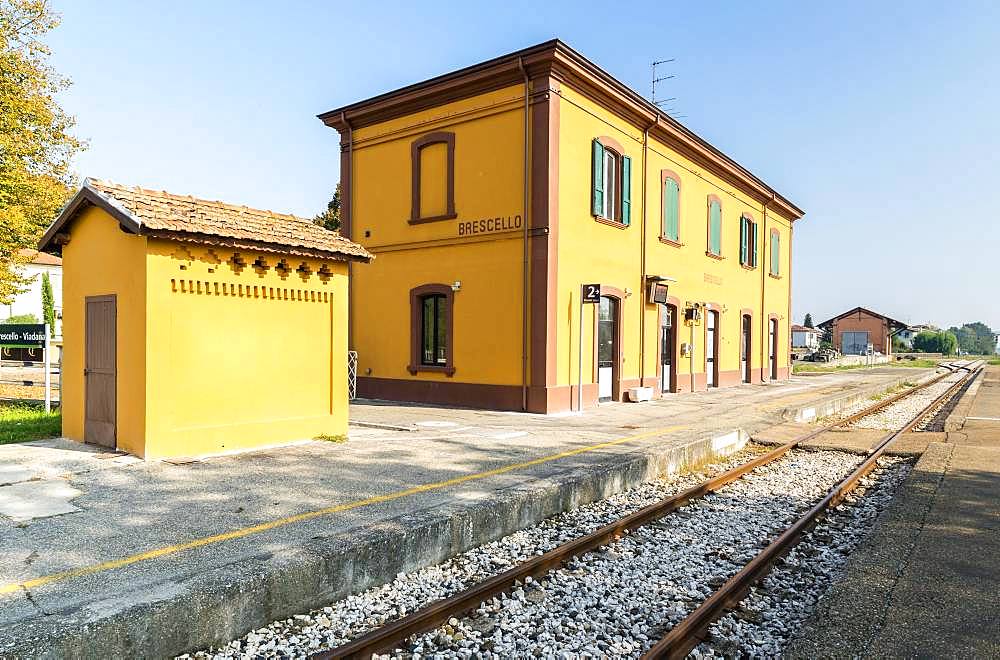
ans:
(100, 371)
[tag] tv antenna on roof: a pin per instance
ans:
(656, 79)
(671, 111)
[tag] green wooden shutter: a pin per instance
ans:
(753, 243)
(744, 251)
(715, 228)
(597, 196)
(626, 189)
(775, 253)
(671, 199)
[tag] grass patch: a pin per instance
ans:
(823, 368)
(993, 361)
(325, 437)
(21, 422)
(922, 364)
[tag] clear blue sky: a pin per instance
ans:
(881, 120)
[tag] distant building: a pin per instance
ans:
(29, 301)
(854, 330)
(906, 335)
(804, 337)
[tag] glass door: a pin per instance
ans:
(745, 349)
(711, 346)
(666, 348)
(607, 337)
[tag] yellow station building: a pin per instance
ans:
(493, 194)
(195, 327)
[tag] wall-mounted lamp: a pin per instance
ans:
(456, 286)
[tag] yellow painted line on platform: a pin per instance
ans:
(13, 587)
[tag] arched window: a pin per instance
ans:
(748, 241)
(432, 329)
(432, 163)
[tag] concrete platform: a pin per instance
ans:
(926, 582)
(149, 559)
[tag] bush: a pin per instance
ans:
(23, 319)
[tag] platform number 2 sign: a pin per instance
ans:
(591, 293)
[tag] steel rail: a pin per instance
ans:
(690, 632)
(438, 612)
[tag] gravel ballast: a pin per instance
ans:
(895, 416)
(619, 600)
(344, 620)
(614, 602)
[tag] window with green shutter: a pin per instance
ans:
(748, 241)
(715, 226)
(597, 198)
(671, 209)
(744, 240)
(611, 185)
(775, 253)
(626, 213)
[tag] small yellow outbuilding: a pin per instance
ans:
(194, 327)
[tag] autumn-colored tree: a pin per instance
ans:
(35, 140)
(330, 218)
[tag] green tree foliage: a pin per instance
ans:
(935, 342)
(35, 141)
(48, 304)
(975, 338)
(809, 321)
(330, 218)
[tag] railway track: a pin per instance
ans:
(687, 634)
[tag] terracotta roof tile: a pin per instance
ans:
(188, 218)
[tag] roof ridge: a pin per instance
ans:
(200, 200)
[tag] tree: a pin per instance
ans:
(48, 304)
(35, 141)
(330, 218)
(975, 338)
(809, 320)
(935, 342)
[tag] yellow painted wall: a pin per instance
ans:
(593, 252)
(211, 358)
(101, 259)
(488, 184)
(238, 358)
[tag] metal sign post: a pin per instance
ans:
(48, 371)
(590, 294)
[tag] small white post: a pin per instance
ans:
(48, 371)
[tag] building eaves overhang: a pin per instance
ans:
(568, 66)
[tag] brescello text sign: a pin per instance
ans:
(28, 335)
(489, 225)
